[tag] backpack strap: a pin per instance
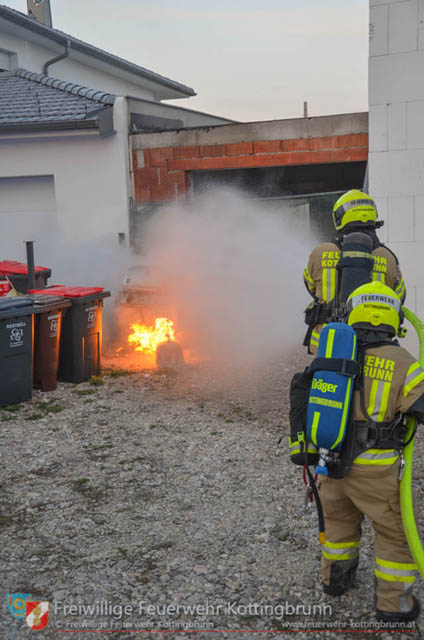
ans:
(338, 365)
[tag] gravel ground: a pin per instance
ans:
(168, 490)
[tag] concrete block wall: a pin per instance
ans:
(396, 133)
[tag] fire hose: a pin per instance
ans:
(406, 499)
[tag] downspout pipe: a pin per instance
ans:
(62, 56)
(30, 263)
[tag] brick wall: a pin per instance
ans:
(161, 174)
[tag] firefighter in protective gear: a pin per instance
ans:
(391, 384)
(354, 211)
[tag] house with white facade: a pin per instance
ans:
(67, 109)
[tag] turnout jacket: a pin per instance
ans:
(392, 383)
(321, 276)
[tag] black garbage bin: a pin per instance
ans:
(16, 350)
(17, 273)
(48, 316)
(81, 337)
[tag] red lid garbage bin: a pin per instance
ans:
(81, 336)
(17, 272)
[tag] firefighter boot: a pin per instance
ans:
(400, 616)
(342, 575)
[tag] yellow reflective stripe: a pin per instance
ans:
(330, 342)
(353, 347)
(408, 566)
(324, 284)
(390, 578)
(340, 550)
(328, 284)
(344, 416)
(315, 421)
(292, 453)
(379, 399)
(307, 277)
(400, 288)
(384, 401)
(333, 273)
(379, 276)
(373, 394)
(341, 545)
(377, 457)
(342, 556)
(414, 376)
(311, 449)
(314, 338)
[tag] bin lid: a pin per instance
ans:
(41, 302)
(15, 306)
(11, 267)
(67, 292)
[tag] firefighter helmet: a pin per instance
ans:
(354, 207)
(374, 306)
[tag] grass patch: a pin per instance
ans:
(81, 485)
(96, 381)
(7, 418)
(84, 392)
(49, 407)
(116, 373)
(12, 408)
(118, 391)
(123, 552)
(35, 416)
(107, 445)
(5, 521)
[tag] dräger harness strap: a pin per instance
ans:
(339, 365)
(367, 434)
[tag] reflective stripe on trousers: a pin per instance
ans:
(395, 571)
(340, 550)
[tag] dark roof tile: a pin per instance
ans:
(32, 97)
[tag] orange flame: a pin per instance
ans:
(148, 338)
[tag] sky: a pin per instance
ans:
(246, 60)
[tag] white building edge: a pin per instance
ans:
(396, 134)
(69, 187)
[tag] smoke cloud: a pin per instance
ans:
(233, 272)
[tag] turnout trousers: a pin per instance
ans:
(373, 491)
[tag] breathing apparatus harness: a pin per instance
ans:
(356, 244)
(361, 435)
